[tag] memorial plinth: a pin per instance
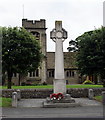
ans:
(66, 102)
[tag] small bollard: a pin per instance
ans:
(103, 97)
(103, 100)
(90, 94)
(18, 95)
(14, 99)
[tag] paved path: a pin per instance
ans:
(30, 103)
(32, 109)
(38, 102)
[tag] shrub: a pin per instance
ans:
(23, 84)
(87, 82)
(44, 83)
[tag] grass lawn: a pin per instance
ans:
(98, 98)
(51, 86)
(84, 86)
(5, 102)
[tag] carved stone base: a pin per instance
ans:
(67, 101)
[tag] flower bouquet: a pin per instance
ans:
(57, 96)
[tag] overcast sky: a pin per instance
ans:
(78, 16)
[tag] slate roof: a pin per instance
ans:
(69, 60)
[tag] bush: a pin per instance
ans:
(87, 82)
(34, 84)
(23, 84)
(44, 83)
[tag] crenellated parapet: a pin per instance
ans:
(32, 24)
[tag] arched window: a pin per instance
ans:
(36, 34)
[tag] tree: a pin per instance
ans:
(73, 46)
(91, 52)
(20, 51)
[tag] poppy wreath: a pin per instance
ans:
(57, 96)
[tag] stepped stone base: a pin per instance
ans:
(60, 105)
(66, 102)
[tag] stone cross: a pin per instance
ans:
(58, 35)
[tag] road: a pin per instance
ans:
(72, 112)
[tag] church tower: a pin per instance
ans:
(38, 29)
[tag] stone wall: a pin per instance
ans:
(43, 93)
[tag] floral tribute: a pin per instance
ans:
(57, 96)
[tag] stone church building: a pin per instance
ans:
(45, 73)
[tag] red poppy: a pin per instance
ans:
(56, 96)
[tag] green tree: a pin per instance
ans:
(91, 53)
(73, 46)
(20, 52)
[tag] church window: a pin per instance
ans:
(70, 73)
(30, 74)
(51, 73)
(34, 73)
(14, 74)
(67, 74)
(36, 34)
(37, 73)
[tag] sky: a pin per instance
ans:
(77, 16)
